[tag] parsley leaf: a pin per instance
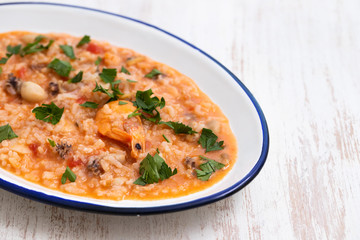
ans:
(208, 141)
(124, 70)
(68, 50)
(10, 51)
(122, 103)
(62, 68)
(35, 46)
(3, 60)
(85, 39)
(6, 133)
(68, 174)
(113, 95)
(90, 105)
(166, 139)
(153, 169)
(13, 50)
(98, 61)
(208, 168)
(135, 113)
(48, 113)
(108, 75)
(77, 78)
(148, 105)
(99, 88)
(179, 127)
(131, 81)
(52, 143)
(153, 74)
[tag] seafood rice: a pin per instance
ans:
(87, 118)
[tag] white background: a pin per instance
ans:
(300, 59)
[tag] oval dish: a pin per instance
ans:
(224, 88)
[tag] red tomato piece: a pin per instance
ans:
(81, 100)
(20, 73)
(73, 163)
(93, 48)
(34, 148)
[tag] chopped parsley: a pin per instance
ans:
(135, 113)
(77, 78)
(98, 61)
(208, 141)
(179, 127)
(68, 174)
(148, 105)
(108, 75)
(35, 46)
(0, 70)
(124, 70)
(153, 74)
(116, 82)
(100, 88)
(6, 133)
(48, 113)
(68, 50)
(3, 60)
(90, 105)
(62, 68)
(153, 169)
(52, 143)
(10, 51)
(85, 39)
(114, 95)
(13, 50)
(166, 139)
(208, 168)
(131, 81)
(122, 103)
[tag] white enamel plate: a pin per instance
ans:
(246, 118)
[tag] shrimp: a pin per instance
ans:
(112, 121)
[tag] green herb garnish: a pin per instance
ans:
(122, 103)
(135, 113)
(208, 168)
(98, 61)
(35, 46)
(3, 60)
(179, 127)
(48, 113)
(68, 50)
(77, 78)
(153, 169)
(90, 105)
(153, 74)
(1, 70)
(148, 105)
(52, 143)
(166, 139)
(108, 75)
(13, 50)
(10, 51)
(6, 133)
(124, 70)
(68, 174)
(62, 68)
(131, 81)
(85, 39)
(99, 88)
(208, 141)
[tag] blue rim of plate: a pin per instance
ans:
(66, 203)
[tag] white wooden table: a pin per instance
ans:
(301, 60)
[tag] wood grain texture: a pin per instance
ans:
(301, 61)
